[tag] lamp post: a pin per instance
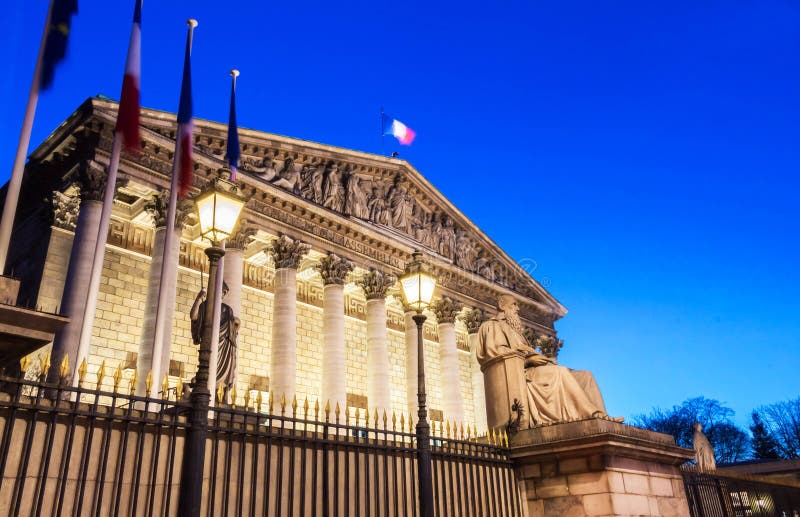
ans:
(218, 207)
(417, 285)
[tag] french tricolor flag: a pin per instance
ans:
(183, 141)
(397, 129)
(128, 116)
(233, 152)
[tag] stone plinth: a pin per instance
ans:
(598, 467)
(504, 381)
(23, 331)
(9, 290)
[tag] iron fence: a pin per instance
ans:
(83, 450)
(714, 494)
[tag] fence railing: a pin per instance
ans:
(717, 494)
(83, 451)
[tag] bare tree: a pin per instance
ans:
(781, 422)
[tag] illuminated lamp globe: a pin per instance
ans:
(219, 206)
(417, 283)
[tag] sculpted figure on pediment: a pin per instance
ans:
(400, 204)
(465, 251)
(435, 237)
(266, 169)
(288, 177)
(483, 266)
(422, 229)
(333, 188)
(355, 203)
(311, 183)
(447, 241)
(378, 212)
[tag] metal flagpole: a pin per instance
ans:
(169, 238)
(383, 136)
(15, 183)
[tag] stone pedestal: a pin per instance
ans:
(598, 467)
(9, 290)
(504, 381)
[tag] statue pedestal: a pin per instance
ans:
(599, 467)
(504, 381)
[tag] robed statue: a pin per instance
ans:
(703, 450)
(554, 393)
(228, 333)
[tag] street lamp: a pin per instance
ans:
(218, 206)
(417, 284)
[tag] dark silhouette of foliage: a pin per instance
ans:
(765, 447)
(729, 441)
(782, 423)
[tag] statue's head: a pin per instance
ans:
(698, 427)
(507, 303)
(225, 289)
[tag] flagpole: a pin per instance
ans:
(383, 136)
(15, 182)
(169, 237)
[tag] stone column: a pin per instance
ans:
(149, 359)
(334, 271)
(411, 362)
(91, 180)
(379, 387)
(287, 254)
(232, 274)
(473, 319)
(446, 310)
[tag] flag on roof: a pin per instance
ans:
(233, 152)
(183, 141)
(128, 115)
(397, 129)
(55, 46)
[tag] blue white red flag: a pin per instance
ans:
(183, 140)
(392, 126)
(128, 116)
(233, 152)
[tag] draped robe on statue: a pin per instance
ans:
(226, 352)
(555, 393)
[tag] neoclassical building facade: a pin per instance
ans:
(311, 269)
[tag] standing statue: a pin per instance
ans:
(465, 250)
(228, 333)
(703, 451)
(333, 190)
(447, 243)
(400, 206)
(355, 202)
(308, 175)
(377, 208)
(554, 393)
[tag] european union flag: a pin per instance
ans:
(55, 47)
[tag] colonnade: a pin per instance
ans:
(287, 255)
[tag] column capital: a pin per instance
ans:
(375, 283)
(446, 309)
(334, 269)
(65, 210)
(159, 204)
(242, 236)
(286, 252)
(91, 181)
(473, 318)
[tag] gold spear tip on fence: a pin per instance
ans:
(118, 377)
(247, 399)
(64, 370)
(294, 403)
(220, 393)
(505, 437)
(233, 396)
(82, 371)
(394, 420)
(337, 411)
(283, 402)
(101, 372)
(148, 383)
(384, 418)
(179, 389)
(165, 386)
(259, 399)
(490, 436)
(316, 409)
(402, 423)
(448, 428)
(305, 406)
(270, 401)
(134, 380)
(46, 364)
(375, 418)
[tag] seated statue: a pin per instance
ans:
(554, 393)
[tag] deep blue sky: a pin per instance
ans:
(644, 155)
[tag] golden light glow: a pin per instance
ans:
(417, 283)
(218, 208)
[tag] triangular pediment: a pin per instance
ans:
(384, 195)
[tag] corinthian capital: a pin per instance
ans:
(446, 309)
(287, 253)
(92, 181)
(65, 210)
(242, 236)
(473, 319)
(375, 283)
(334, 269)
